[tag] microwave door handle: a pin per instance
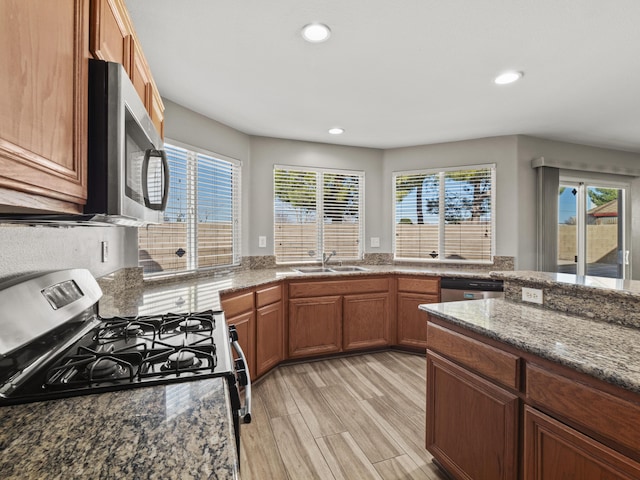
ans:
(145, 172)
(165, 172)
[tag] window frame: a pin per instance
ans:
(320, 209)
(192, 264)
(442, 212)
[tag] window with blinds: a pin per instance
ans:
(445, 215)
(317, 211)
(201, 227)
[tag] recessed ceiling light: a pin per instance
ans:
(316, 32)
(508, 77)
(336, 131)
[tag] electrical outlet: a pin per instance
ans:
(262, 241)
(375, 242)
(105, 251)
(533, 295)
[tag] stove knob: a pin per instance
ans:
(241, 372)
(233, 333)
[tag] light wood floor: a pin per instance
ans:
(359, 417)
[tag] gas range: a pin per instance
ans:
(54, 344)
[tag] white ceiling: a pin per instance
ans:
(404, 72)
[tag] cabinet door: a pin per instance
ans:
(471, 423)
(412, 322)
(269, 337)
(315, 326)
(366, 321)
(43, 124)
(245, 325)
(141, 76)
(110, 38)
(554, 450)
(156, 110)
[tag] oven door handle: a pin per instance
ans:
(245, 412)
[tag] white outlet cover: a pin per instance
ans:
(262, 241)
(533, 295)
(375, 242)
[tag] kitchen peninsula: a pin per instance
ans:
(563, 376)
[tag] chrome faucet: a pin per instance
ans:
(326, 258)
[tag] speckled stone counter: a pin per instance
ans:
(606, 351)
(607, 299)
(180, 431)
(203, 293)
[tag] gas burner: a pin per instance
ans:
(182, 359)
(190, 325)
(201, 324)
(102, 368)
(119, 328)
(133, 330)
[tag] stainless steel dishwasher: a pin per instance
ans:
(453, 289)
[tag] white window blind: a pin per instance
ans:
(201, 227)
(445, 215)
(317, 211)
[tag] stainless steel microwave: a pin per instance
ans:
(128, 174)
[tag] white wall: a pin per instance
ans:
(267, 152)
(498, 150)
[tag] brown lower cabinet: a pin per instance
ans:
(572, 426)
(315, 326)
(366, 321)
(414, 291)
(555, 450)
(472, 424)
(269, 328)
(239, 311)
(258, 317)
(332, 316)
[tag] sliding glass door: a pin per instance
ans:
(591, 229)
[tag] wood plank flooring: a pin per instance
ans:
(358, 417)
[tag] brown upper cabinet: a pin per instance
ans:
(110, 33)
(44, 99)
(113, 38)
(43, 105)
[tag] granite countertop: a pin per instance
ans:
(606, 351)
(197, 294)
(613, 287)
(178, 431)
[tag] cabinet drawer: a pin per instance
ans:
(268, 295)
(419, 285)
(338, 287)
(237, 304)
(605, 414)
(496, 364)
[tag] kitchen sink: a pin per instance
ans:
(333, 269)
(348, 268)
(312, 270)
